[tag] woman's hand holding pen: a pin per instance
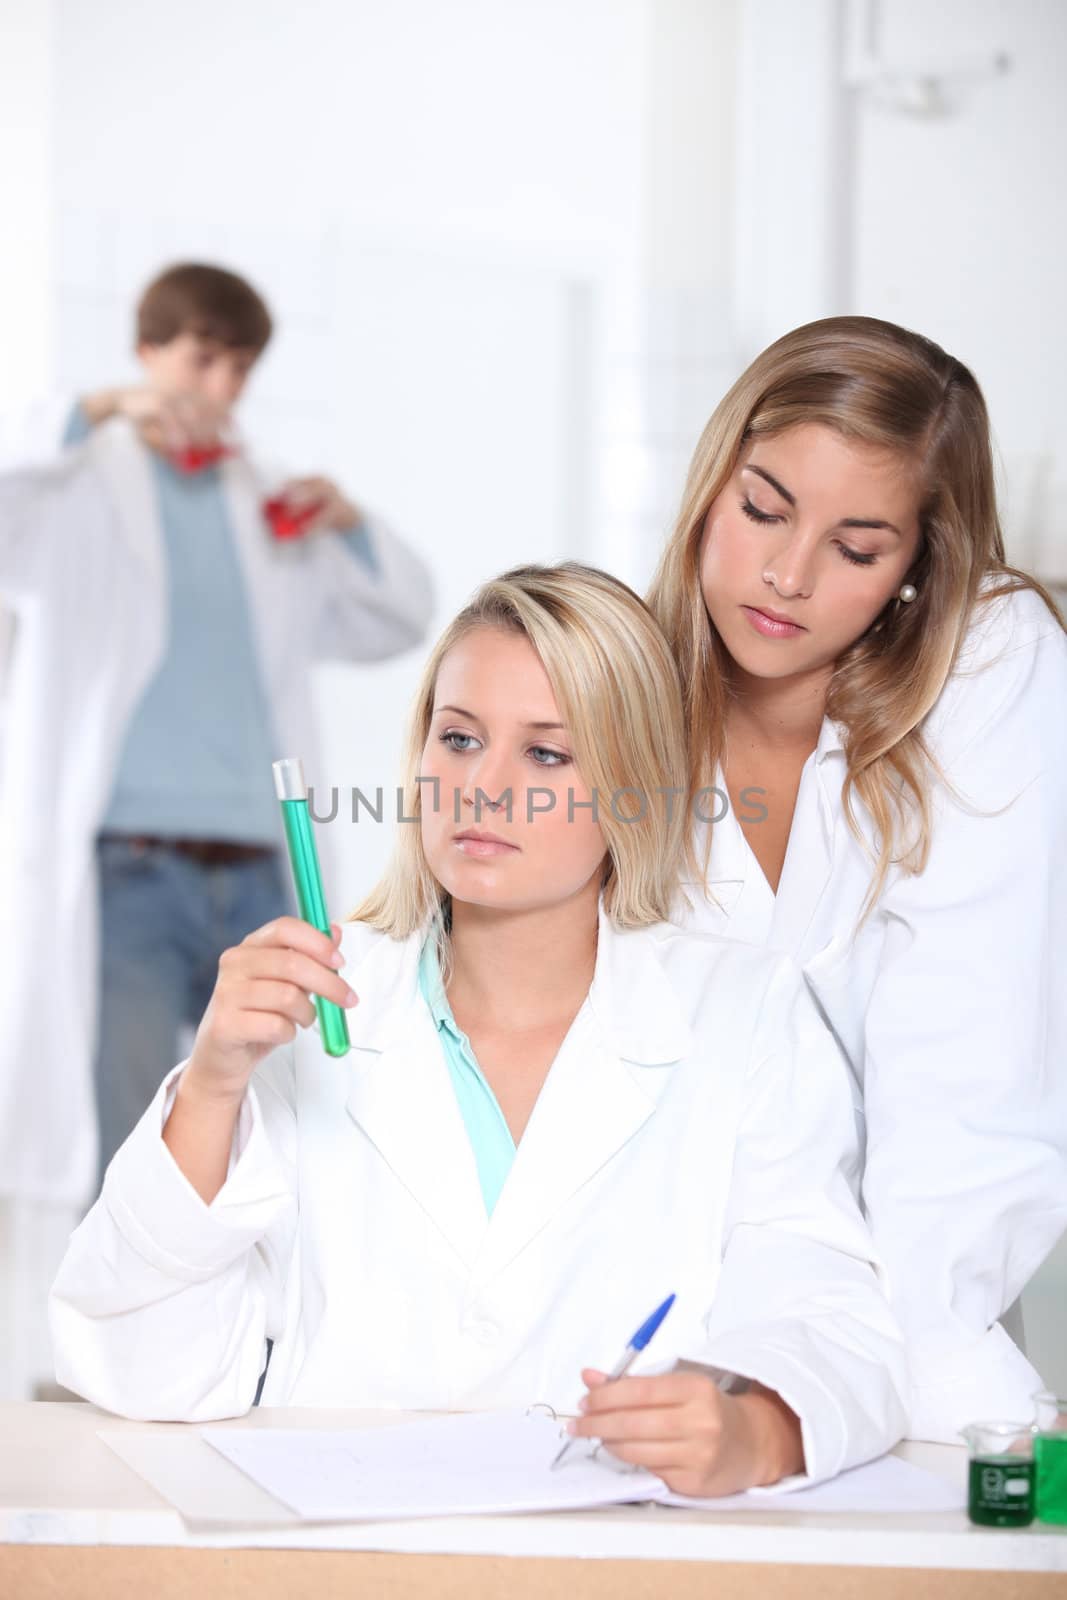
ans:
(261, 997)
(682, 1427)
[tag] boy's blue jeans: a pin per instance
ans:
(165, 920)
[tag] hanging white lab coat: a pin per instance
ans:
(82, 567)
(694, 1135)
(951, 1004)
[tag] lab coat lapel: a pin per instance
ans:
(736, 890)
(733, 899)
(401, 1095)
(589, 1107)
(809, 859)
(601, 1090)
(124, 466)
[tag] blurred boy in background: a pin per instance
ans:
(165, 635)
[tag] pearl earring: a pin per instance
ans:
(907, 593)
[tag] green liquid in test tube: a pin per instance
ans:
(291, 790)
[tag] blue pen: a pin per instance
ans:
(628, 1357)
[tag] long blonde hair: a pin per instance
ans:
(883, 385)
(617, 688)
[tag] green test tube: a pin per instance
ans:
(291, 790)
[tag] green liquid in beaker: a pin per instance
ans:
(1050, 1457)
(1001, 1491)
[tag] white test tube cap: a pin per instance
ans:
(289, 779)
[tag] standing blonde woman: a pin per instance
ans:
(877, 714)
(557, 1110)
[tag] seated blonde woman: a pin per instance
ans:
(556, 1111)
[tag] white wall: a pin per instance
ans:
(683, 346)
(26, 100)
(960, 228)
(469, 121)
(27, 307)
(902, 160)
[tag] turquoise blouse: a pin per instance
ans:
(490, 1137)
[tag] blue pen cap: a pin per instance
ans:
(647, 1329)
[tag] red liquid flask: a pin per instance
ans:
(195, 458)
(288, 521)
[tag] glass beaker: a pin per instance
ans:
(1050, 1457)
(1000, 1489)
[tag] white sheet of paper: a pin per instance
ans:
(887, 1484)
(450, 1466)
(482, 1463)
(499, 1462)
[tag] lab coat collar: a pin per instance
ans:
(810, 856)
(401, 1096)
(602, 1087)
(631, 997)
(386, 979)
(737, 888)
(125, 465)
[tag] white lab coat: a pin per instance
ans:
(82, 567)
(951, 1004)
(694, 1135)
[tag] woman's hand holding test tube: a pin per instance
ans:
(261, 996)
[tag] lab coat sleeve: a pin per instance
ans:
(799, 1305)
(162, 1305)
(39, 434)
(36, 512)
(20, 495)
(966, 1032)
(371, 611)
